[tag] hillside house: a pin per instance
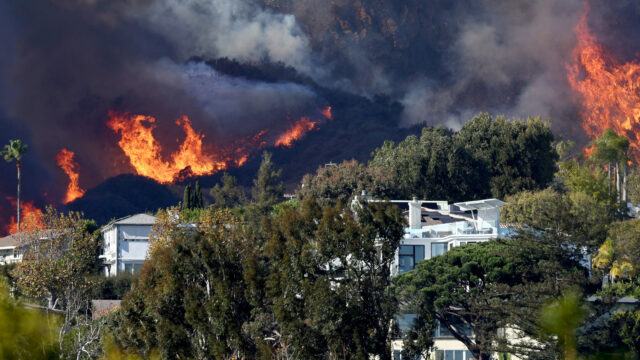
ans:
(126, 244)
(8, 250)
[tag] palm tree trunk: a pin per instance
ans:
(618, 183)
(19, 165)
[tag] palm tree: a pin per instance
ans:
(14, 152)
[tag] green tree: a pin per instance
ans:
(228, 195)
(330, 279)
(25, 333)
(196, 295)
(620, 254)
(562, 318)
(198, 203)
(574, 218)
(476, 290)
(14, 151)
(332, 184)
(267, 186)
(56, 269)
(518, 155)
(613, 150)
(187, 198)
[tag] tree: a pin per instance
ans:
(479, 289)
(613, 150)
(197, 194)
(14, 152)
(517, 154)
(332, 184)
(196, 295)
(228, 195)
(187, 198)
(330, 279)
(56, 268)
(574, 218)
(25, 333)
(620, 254)
(267, 186)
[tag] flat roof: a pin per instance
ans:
(480, 204)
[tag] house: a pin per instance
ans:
(12, 247)
(8, 249)
(435, 227)
(126, 244)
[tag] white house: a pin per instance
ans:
(8, 249)
(435, 227)
(126, 244)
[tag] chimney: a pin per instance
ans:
(415, 214)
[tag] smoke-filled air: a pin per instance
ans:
(178, 90)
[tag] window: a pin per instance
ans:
(453, 355)
(409, 256)
(397, 355)
(132, 268)
(405, 322)
(438, 249)
(443, 331)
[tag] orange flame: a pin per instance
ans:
(144, 153)
(295, 132)
(327, 112)
(70, 167)
(30, 217)
(610, 91)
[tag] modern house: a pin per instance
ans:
(435, 227)
(126, 244)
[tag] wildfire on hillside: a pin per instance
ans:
(609, 90)
(30, 217)
(295, 132)
(192, 158)
(70, 167)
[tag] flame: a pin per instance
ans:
(327, 112)
(144, 153)
(295, 132)
(30, 217)
(70, 167)
(610, 91)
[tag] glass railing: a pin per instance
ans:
(457, 228)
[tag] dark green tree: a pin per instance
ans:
(228, 195)
(14, 152)
(187, 198)
(197, 294)
(487, 287)
(517, 154)
(267, 186)
(330, 279)
(198, 203)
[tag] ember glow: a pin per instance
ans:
(70, 167)
(326, 112)
(295, 132)
(145, 153)
(30, 217)
(610, 91)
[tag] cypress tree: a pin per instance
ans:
(198, 197)
(187, 197)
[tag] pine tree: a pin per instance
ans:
(267, 186)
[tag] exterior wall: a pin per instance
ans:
(124, 244)
(10, 257)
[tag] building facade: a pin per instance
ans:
(9, 253)
(125, 244)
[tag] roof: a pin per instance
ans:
(14, 240)
(137, 219)
(480, 204)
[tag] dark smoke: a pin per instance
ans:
(65, 63)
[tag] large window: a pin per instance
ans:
(438, 249)
(454, 355)
(409, 256)
(132, 268)
(397, 355)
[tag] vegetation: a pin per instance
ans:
(14, 151)
(256, 277)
